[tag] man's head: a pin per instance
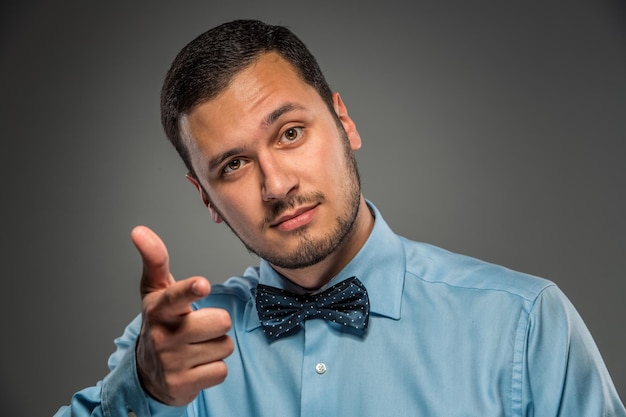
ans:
(206, 66)
(267, 144)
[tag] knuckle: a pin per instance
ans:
(222, 320)
(149, 310)
(159, 338)
(169, 296)
(169, 383)
(172, 386)
(219, 372)
(172, 362)
(182, 391)
(229, 346)
(152, 309)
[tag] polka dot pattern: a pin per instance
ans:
(282, 312)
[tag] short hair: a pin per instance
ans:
(207, 64)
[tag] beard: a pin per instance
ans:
(309, 250)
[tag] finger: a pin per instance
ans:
(184, 387)
(175, 301)
(204, 325)
(156, 271)
(197, 354)
(209, 374)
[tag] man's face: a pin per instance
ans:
(276, 166)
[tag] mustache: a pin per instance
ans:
(278, 208)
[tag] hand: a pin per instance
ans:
(179, 351)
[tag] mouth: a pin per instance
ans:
(296, 218)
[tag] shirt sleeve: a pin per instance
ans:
(565, 374)
(119, 394)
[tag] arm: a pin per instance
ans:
(565, 374)
(120, 391)
(166, 356)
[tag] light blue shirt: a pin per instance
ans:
(448, 336)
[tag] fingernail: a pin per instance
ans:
(195, 289)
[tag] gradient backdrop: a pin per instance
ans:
(495, 129)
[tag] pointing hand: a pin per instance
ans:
(179, 351)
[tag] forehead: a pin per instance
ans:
(244, 108)
(267, 77)
(268, 74)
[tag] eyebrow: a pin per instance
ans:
(275, 115)
(268, 120)
(217, 160)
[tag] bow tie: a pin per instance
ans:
(281, 312)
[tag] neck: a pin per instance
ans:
(316, 276)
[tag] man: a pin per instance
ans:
(342, 317)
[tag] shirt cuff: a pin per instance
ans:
(122, 393)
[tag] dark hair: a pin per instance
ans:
(205, 67)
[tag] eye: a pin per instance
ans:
(291, 135)
(233, 165)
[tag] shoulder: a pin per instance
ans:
(436, 266)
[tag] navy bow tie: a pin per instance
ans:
(281, 312)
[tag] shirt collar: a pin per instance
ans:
(379, 265)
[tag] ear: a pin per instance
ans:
(205, 199)
(347, 122)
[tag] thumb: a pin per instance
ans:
(156, 269)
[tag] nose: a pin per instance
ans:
(277, 179)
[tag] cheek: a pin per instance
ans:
(326, 159)
(240, 203)
(332, 164)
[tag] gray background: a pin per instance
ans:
(494, 129)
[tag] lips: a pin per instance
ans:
(294, 219)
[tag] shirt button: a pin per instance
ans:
(320, 368)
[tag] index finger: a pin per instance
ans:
(175, 301)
